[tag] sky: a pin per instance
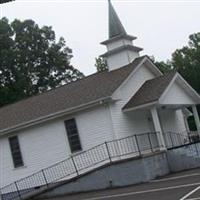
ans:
(161, 26)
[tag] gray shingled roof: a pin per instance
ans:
(86, 90)
(150, 91)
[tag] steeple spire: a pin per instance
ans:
(120, 48)
(115, 26)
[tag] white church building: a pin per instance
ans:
(131, 97)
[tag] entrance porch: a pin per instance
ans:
(169, 122)
(162, 105)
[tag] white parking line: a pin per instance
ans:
(190, 193)
(176, 177)
(142, 191)
(198, 198)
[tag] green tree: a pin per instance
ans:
(101, 64)
(187, 62)
(5, 1)
(164, 66)
(31, 60)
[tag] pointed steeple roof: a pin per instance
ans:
(120, 48)
(115, 26)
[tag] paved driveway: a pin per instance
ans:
(179, 186)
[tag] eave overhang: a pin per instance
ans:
(119, 49)
(118, 37)
(56, 115)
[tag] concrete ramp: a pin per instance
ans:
(117, 174)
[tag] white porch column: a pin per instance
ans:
(157, 126)
(196, 118)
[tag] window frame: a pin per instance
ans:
(74, 135)
(17, 162)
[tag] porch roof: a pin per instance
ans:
(150, 91)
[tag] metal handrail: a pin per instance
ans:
(175, 139)
(75, 165)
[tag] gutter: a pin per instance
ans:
(62, 113)
(140, 106)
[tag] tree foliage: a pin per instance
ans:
(187, 62)
(164, 66)
(31, 60)
(5, 1)
(101, 64)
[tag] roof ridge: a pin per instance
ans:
(68, 84)
(50, 90)
(71, 95)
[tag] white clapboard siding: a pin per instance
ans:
(46, 144)
(125, 125)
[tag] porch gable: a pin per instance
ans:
(169, 89)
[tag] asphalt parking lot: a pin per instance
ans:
(178, 186)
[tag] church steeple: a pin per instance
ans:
(120, 49)
(115, 26)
